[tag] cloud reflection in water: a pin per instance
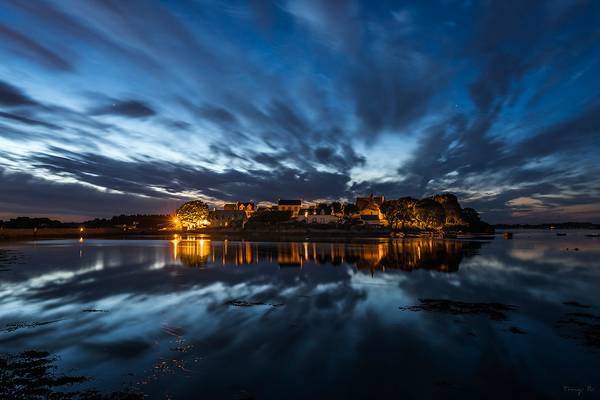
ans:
(339, 321)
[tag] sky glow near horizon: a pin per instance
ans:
(110, 107)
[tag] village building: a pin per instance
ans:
(374, 220)
(369, 203)
(369, 210)
(290, 205)
(247, 207)
(318, 215)
(227, 218)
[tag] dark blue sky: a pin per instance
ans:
(110, 107)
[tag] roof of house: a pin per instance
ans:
(226, 213)
(371, 201)
(240, 205)
(290, 202)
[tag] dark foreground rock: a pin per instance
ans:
(31, 375)
(243, 303)
(516, 330)
(13, 326)
(494, 311)
(582, 327)
(576, 304)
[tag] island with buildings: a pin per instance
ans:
(372, 215)
(439, 213)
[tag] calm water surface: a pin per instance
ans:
(200, 318)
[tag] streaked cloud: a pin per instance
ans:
(152, 103)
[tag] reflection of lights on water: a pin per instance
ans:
(191, 250)
(195, 250)
(175, 242)
(201, 241)
(80, 240)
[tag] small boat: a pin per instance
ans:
(561, 234)
(593, 235)
(507, 235)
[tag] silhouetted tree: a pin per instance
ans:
(350, 209)
(471, 216)
(337, 207)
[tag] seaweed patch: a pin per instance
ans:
(494, 311)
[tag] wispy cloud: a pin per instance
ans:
(156, 102)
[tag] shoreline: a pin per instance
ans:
(256, 235)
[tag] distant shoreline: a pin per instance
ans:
(273, 234)
(562, 225)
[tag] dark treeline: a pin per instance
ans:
(121, 221)
(562, 225)
(138, 221)
(30, 223)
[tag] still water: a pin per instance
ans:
(192, 317)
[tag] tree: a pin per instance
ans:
(471, 216)
(452, 210)
(406, 210)
(337, 207)
(475, 224)
(429, 214)
(391, 211)
(193, 214)
(399, 212)
(349, 209)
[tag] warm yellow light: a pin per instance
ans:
(175, 243)
(81, 229)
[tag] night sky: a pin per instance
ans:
(110, 107)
